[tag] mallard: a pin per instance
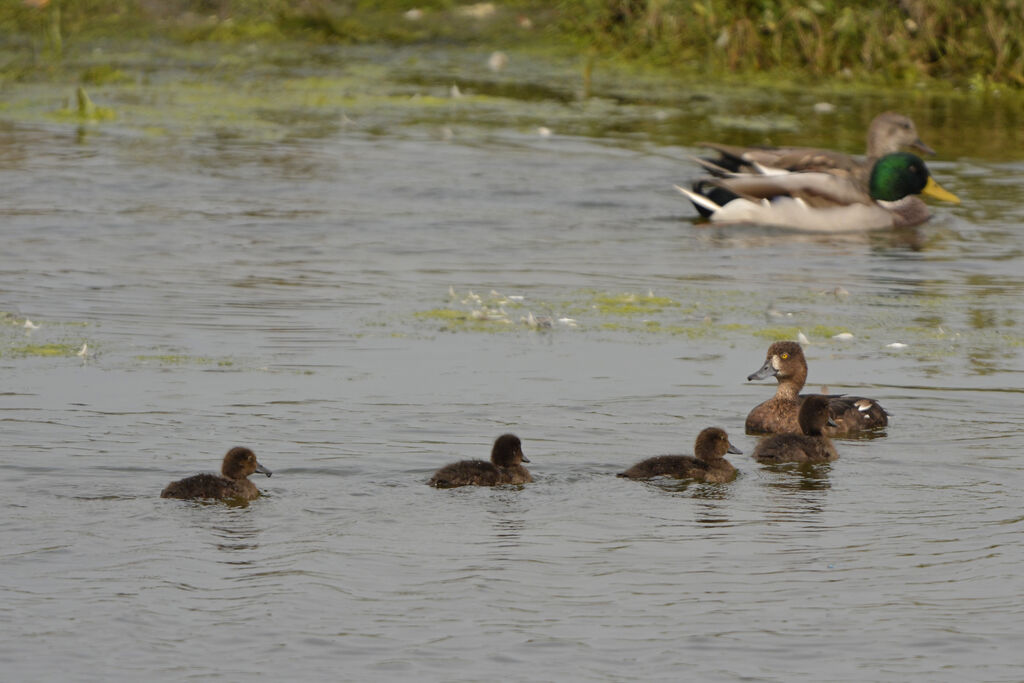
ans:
(888, 133)
(821, 201)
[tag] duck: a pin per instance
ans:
(505, 467)
(780, 414)
(232, 483)
(822, 201)
(808, 446)
(889, 132)
(707, 464)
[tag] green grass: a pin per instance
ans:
(974, 43)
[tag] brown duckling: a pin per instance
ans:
(779, 414)
(707, 464)
(504, 468)
(233, 482)
(811, 446)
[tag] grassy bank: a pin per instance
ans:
(979, 43)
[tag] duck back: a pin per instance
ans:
(479, 473)
(850, 413)
(800, 448)
(211, 486)
(681, 467)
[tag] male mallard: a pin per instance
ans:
(888, 133)
(823, 202)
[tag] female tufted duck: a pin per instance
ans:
(238, 464)
(812, 446)
(707, 463)
(504, 467)
(785, 360)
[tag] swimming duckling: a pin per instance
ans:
(504, 468)
(779, 414)
(811, 446)
(707, 463)
(238, 464)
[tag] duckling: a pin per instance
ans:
(233, 483)
(504, 468)
(779, 414)
(888, 133)
(810, 446)
(707, 464)
(823, 201)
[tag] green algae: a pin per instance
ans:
(44, 350)
(631, 304)
(84, 110)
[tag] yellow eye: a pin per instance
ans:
(784, 356)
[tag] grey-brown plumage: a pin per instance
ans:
(505, 467)
(811, 446)
(232, 483)
(780, 414)
(707, 464)
(889, 132)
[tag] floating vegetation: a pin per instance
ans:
(85, 110)
(21, 337)
(43, 350)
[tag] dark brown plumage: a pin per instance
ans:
(504, 468)
(812, 446)
(707, 463)
(232, 483)
(779, 415)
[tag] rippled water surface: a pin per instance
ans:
(303, 280)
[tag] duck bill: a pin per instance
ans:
(523, 457)
(831, 422)
(735, 451)
(263, 470)
(919, 145)
(766, 371)
(933, 189)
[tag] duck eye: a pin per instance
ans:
(784, 356)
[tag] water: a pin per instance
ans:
(286, 286)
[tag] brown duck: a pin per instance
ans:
(232, 483)
(889, 132)
(785, 361)
(505, 467)
(706, 464)
(810, 446)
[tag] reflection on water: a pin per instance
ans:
(264, 280)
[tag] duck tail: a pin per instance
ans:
(708, 197)
(716, 168)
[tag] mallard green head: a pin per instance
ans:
(898, 175)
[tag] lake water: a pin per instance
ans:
(290, 261)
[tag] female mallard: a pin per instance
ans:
(821, 201)
(888, 133)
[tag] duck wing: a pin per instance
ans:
(818, 189)
(733, 159)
